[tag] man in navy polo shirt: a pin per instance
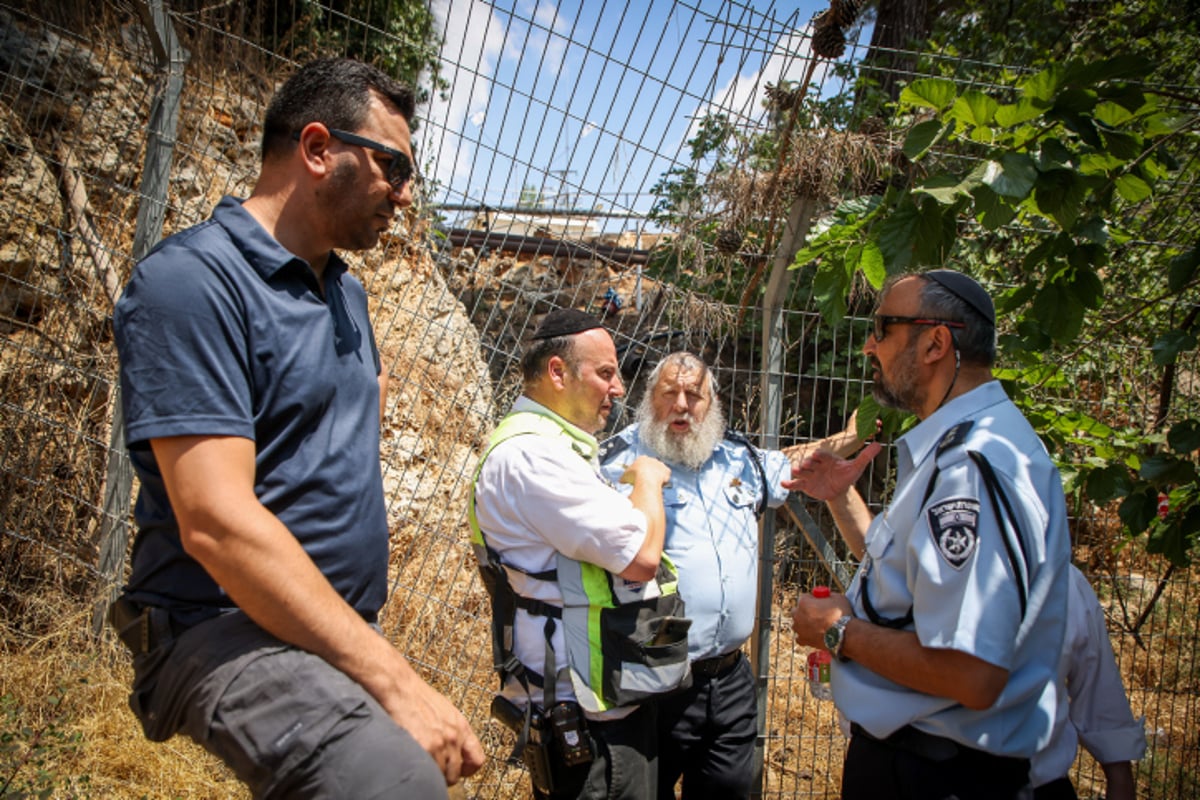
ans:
(252, 392)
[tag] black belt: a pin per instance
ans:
(717, 666)
(915, 741)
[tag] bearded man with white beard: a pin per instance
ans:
(720, 486)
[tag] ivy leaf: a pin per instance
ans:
(945, 189)
(1107, 484)
(1076, 101)
(1053, 154)
(1163, 469)
(1060, 194)
(871, 264)
(921, 137)
(1041, 88)
(1184, 437)
(974, 108)
(869, 410)
(1125, 146)
(1168, 346)
(937, 228)
(1010, 116)
(896, 236)
(1139, 508)
(1182, 269)
(1058, 311)
(1094, 230)
(1086, 285)
(1132, 188)
(1012, 176)
(1128, 66)
(1112, 114)
(992, 211)
(1170, 540)
(935, 93)
(829, 290)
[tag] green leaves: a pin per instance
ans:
(935, 93)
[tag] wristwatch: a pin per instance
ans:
(835, 635)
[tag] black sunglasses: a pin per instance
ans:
(883, 320)
(399, 168)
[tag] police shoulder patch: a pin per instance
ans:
(954, 525)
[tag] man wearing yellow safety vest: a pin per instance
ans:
(587, 624)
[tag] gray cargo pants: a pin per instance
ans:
(287, 723)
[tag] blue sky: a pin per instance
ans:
(591, 102)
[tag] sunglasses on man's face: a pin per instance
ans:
(882, 321)
(399, 166)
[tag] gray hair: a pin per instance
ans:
(686, 362)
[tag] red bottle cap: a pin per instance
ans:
(820, 591)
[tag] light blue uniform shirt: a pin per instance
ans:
(712, 533)
(945, 558)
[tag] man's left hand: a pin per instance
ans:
(812, 616)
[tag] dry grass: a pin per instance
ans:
(67, 697)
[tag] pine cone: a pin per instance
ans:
(844, 12)
(728, 241)
(829, 41)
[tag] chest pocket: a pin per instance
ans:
(741, 494)
(880, 539)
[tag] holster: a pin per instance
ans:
(534, 751)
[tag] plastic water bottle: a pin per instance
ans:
(819, 662)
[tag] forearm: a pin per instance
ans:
(261, 565)
(853, 518)
(900, 657)
(268, 575)
(1119, 782)
(647, 498)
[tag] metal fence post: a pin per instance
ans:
(796, 229)
(171, 59)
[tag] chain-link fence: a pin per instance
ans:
(543, 152)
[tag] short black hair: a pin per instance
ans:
(332, 91)
(539, 352)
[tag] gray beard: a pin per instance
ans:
(691, 449)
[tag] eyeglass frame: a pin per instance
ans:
(880, 323)
(400, 170)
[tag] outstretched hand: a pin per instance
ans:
(824, 476)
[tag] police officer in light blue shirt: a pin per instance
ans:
(949, 636)
(720, 485)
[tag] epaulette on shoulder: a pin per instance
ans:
(612, 447)
(737, 436)
(953, 439)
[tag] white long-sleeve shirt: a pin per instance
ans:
(1100, 717)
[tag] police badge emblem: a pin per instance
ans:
(955, 528)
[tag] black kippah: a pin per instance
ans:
(565, 322)
(965, 288)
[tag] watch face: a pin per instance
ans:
(833, 637)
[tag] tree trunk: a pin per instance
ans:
(900, 26)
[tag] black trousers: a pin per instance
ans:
(915, 766)
(706, 735)
(1057, 789)
(625, 766)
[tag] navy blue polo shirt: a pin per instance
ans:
(221, 331)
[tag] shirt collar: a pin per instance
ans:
(582, 442)
(260, 249)
(916, 445)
